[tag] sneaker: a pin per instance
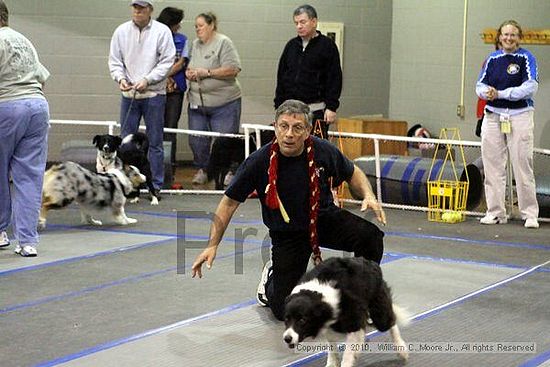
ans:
(488, 219)
(261, 297)
(200, 177)
(26, 250)
(228, 177)
(531, 223)
(4, 240)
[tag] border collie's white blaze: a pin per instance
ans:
(328, 294)
(107, 146)
(334, 301)
(331, 295)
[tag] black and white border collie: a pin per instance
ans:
(134, 150)
(335, 300)
(107, 146)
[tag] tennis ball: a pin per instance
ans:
(451, 217)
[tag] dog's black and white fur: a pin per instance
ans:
(107, 146)
(335, 300)
(94, 192)
(134, 151)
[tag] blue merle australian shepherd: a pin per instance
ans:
(94, 192)
(335, 300)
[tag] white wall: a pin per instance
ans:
(72, 38)
(427, 53)
(401, 57)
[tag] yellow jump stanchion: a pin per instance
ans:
(447, 197)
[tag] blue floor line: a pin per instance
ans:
(389, 257)
(458, 240)
(118, 342)
(84, 291)
(226, 310)
(131, 279)
(534, 362)
(481, 291)
(197, 238)
(538, 360)
(389, 233)
(118, 250)
(122, 230)
(460, 261)
(84, 257)
(432, 312)
(175, 215)
(121, 281)
(468, 241)
(186, 322)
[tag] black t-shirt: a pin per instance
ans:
(292, 182)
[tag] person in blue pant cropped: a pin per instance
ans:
(24, 122)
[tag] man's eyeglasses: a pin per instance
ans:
(296, 129)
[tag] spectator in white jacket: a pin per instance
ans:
(142, 53)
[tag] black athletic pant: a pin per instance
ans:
(338, 229)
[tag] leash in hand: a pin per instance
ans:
(129, 108)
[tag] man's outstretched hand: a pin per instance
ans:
(370, 202)
(208, 256)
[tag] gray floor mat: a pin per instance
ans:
(516, 312)
(249, 336)
(91, 286)
(75, 242)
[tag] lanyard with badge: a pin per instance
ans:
(505, 123)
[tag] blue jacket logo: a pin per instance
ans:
(513, 69)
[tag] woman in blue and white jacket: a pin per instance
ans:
(508, 81)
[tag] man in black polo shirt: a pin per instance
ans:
(291, 176)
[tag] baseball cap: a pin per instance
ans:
(142, 2)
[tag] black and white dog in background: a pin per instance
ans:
(335, 300)
(94, 192)
(134, 151)
(107, 146)
(226, 155)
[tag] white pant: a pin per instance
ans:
(493, 153)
